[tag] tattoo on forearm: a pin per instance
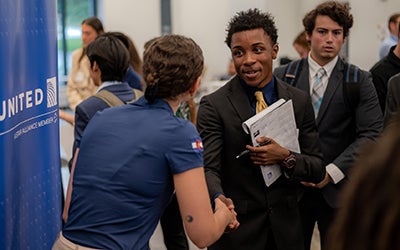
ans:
(189, 218)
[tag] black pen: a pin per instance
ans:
(248, 151)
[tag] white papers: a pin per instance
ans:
(276, 122)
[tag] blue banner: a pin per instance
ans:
(30, 192)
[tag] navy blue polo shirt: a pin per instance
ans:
(123, 177)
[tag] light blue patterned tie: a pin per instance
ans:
(318, 90)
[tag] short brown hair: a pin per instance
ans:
(171, 65)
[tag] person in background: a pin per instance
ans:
(370, 218)
(388, 42)
(132, 158)
(269, 216)
(301, 45)
(133, 78)
(109, 60)
(108, 73)
(343, 127)
(384, 69)
(231, 71)
(80, 86)
(133, 74)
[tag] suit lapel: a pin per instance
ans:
(282, 91)
(303, 80)
(335, 80)
(237, 97)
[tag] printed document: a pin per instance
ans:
(277, 122)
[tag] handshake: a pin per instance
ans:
(227, 207)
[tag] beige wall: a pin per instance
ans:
(205, 21)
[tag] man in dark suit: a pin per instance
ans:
(342, 128)
(268, 215)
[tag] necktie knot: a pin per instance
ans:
(260, 104)
(320, 73)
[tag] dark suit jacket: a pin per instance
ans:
(88, 108)
(220, 118)
(342, 131)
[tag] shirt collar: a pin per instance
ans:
(106, 84)
(394, 37)
(157, 103)
(268, 91)
(314, 66)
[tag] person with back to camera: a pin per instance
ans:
(347, 110)
(133, 75)
(269, 216)
(107, 73)
(133, 78)
(370, 218)
(173, 231)
(388, 42)
(132, 157)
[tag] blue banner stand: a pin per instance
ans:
(30, 191)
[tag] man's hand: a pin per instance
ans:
(271, 153)
(229, 204)
(319, 185)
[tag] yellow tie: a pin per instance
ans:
(260, 104)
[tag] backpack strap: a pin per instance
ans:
(112, 100)
(351, 86)
(291, 71)
(137, 94)
(109, 98)
(352, 73)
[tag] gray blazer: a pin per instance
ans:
(219, 121)
(342, 131)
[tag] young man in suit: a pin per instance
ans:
(342, 128)
(269, 216)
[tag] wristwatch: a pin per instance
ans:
(290, 161)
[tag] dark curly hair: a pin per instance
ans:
(250, 20)
(338, 12)
(171, 65)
